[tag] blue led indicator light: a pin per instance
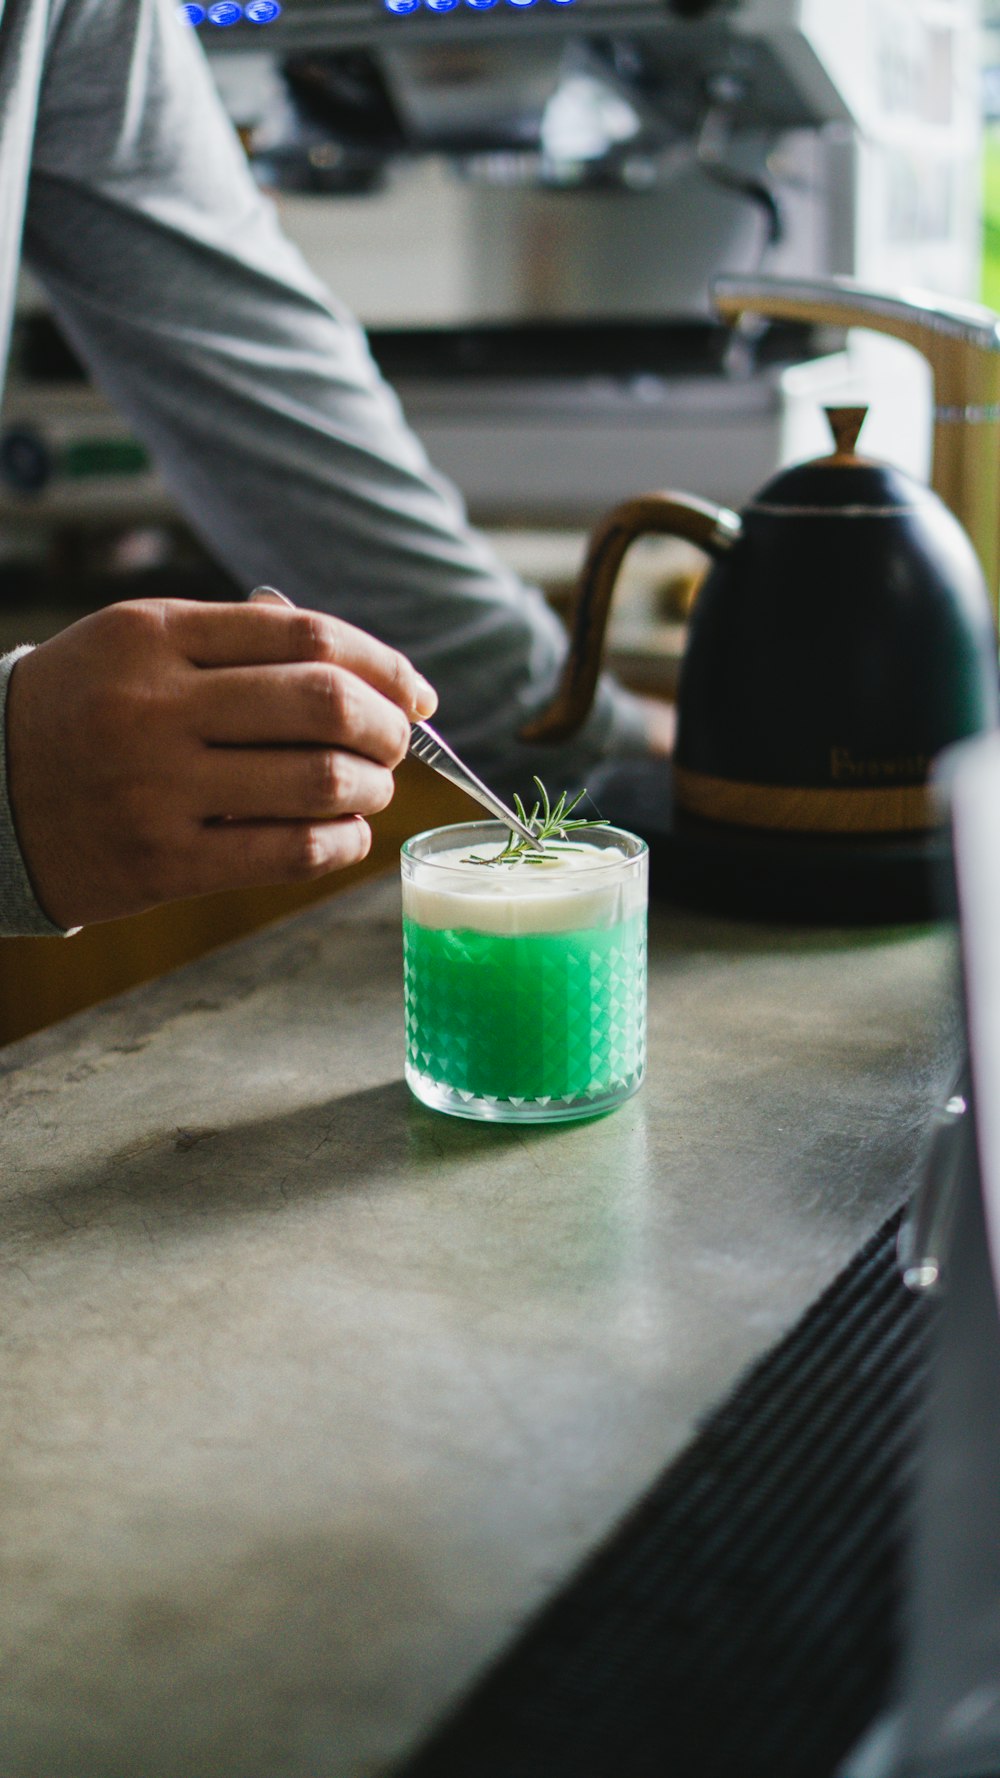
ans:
(263, 12)
(191, 14)
(225, 12)
(403, 7)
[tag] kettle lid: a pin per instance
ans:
(842, 478)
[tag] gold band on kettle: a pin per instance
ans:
(800, 809)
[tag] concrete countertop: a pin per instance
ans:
(312, 1396)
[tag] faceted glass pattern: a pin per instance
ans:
(527, 1027)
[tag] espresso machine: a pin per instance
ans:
(568, 179)
(527, 206)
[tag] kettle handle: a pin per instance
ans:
(711, 528)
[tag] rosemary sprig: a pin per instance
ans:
(546, 823)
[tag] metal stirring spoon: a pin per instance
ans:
(427, 746)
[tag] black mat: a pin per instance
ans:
(743, 1620)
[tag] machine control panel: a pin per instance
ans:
(311, 24)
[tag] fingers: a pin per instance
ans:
(266, 631)
(311, 703)
(117, 796)
(292, 784)
(254, 856)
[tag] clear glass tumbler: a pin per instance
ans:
(525, 984)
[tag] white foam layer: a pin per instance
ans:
(586, 886)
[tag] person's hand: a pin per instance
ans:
(166, 748)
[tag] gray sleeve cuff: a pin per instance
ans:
(20, 914)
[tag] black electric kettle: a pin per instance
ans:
(842, 638)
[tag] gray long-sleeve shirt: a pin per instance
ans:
(288, 453)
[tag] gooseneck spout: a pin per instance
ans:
(961, 342)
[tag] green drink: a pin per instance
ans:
(525, 984)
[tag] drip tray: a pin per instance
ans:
(744, 1621)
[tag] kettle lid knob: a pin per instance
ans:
(846, 424)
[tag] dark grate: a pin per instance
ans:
(743, 1620)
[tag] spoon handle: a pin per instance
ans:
(427, 746)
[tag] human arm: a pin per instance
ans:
(257, 392)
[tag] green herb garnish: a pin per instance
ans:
(546, 823)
